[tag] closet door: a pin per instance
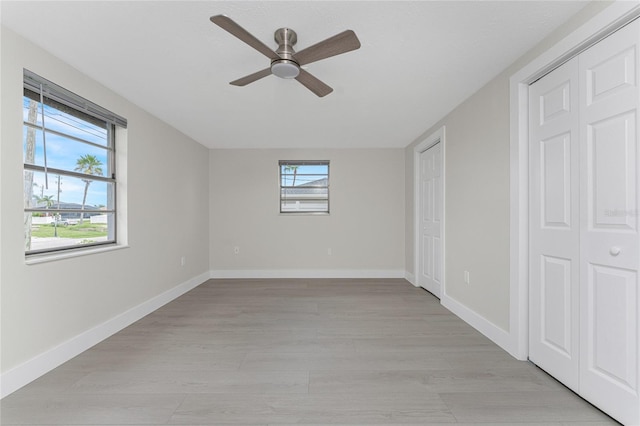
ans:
(430, 272)
(554, 230)
(610, 254)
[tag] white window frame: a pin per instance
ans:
(114, 125)
(283, 189)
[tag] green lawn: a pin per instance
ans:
(85, 230)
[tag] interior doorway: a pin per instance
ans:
(429, 213)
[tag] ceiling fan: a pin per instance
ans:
(285, 61)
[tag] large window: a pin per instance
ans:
(304, 186)
(69, 169)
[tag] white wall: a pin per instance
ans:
(477, 201)
(45, 305)
(365, 229)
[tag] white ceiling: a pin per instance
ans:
(418, 60)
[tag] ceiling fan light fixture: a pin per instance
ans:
(285, 68)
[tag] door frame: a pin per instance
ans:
(606, 22)
(436, 137)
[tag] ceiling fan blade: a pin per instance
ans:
(313, 84)
(252, 77)
(232, 27)
(344, 42)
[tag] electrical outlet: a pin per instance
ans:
(329, 251)
(183, 261)
(466, 277)
(236, 250)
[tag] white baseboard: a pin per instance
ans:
(307, 273)
(496, 334)
(411, 278)
(25, 373)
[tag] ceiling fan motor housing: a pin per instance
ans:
(286, 67)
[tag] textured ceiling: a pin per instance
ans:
(418, 60)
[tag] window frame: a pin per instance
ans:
(48, 94)
(300, 163)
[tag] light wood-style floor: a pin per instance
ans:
(267, 352)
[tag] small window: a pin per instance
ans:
(69, 169)
(304, 186)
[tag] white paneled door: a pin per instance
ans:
(609, 224)
(554, 222)
(584, 241)
(430, 213)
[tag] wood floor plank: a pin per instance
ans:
(343, 361)
(497, 379)
(303, 409)
(367, 382)
(551, 406)
(83, 409)
(188, 382)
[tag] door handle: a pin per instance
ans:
(614, 251)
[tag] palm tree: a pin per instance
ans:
(46, 199)
(89, 165)
(293, 169)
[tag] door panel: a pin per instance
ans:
(555, 287)
(555, 171)
(430, 271)
(427, 259)
(611, 191)
(612, 310)
(610, 254)
(610, 76)
(555, 102)
(554, 224)
(437, 262)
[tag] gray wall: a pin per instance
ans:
(365, 229)
(46, 304)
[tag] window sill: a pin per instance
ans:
(304, 213)
(36, 259)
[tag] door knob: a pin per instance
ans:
(614, 251)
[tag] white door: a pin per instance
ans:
(584, 241)
(430, 256)
(609, 114)
(554, 224)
